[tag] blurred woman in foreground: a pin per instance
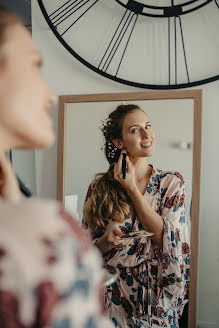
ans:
(49, 274)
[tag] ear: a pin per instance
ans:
(118, 143)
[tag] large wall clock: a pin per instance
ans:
(153, 44)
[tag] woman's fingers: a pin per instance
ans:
(4, 165)
(123, 243)
(117, 232)
(118, 167)
(115, 238)
(128, 164)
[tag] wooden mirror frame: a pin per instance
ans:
(196, 95)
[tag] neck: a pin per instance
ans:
(141, 167)
(8, 140)
(5, 141)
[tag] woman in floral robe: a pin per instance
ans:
(50, 274)
(152, 287)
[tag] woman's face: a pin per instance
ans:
(137, 135)
(25, 99)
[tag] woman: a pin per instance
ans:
(50, 276)
(152, 288)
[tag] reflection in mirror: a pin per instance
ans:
(82, 156)
(172, 122)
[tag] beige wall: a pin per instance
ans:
(66, 75)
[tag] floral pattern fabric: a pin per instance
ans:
(152, 288)
(50, 275)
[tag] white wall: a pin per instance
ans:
(66, 75)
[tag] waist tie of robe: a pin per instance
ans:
(146, 278)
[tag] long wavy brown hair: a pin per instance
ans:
(107, 198)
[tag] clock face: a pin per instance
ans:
(153, 44)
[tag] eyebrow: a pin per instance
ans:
(138, 125)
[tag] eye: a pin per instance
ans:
(134, 130)
(148, 127)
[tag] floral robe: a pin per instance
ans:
(50, 275)
(152, 288)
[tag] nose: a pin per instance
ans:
(144, 134)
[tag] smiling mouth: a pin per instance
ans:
(147, 144)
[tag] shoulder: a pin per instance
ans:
(43, 220)
(32, 212)
(169, 178)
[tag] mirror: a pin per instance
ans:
(176, 121)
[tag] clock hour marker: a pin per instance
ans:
(67, 12)
(68, 9)
(136, 17)
(123, 32)
(60, 10)
(174, 37)
(183, 45)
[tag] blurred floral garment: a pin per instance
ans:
(153, 285)
(50, 274)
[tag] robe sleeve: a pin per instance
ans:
(174, 257)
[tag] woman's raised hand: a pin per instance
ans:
(129, 182)
(9, 188)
